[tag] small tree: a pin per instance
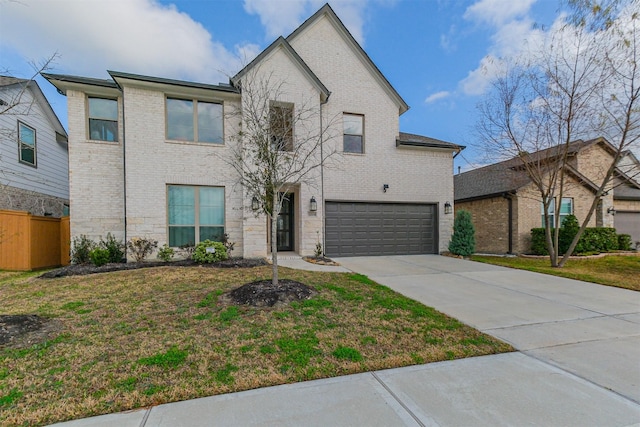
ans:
(463, 240)
(279, 145)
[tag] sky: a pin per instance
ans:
(438, 54)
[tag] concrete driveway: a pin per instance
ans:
(584, 329)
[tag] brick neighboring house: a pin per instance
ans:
(135, 172)
(34, 167)
(505, 205)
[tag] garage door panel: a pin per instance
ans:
(359, 229)
(628, 223)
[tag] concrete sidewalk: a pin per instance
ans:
(578, 364)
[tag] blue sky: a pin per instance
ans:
(434, 52)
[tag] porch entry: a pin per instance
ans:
(285, 223)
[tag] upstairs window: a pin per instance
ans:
(195, 121)
(26, 144)
(103, 119)
(353, 125)
(566, 209)
(281, 126)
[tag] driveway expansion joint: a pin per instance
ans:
(397, 399)
(147, 412)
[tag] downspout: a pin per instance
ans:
(509, 197)
(322, 172)
(124, 173)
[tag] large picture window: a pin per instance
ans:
(27, 144)
(566, 209)
(353, 125)
(281, 126)
(103, 119)
(194, 214)
(193, 120)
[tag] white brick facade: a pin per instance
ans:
(113, 184)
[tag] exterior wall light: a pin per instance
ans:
(255, 205)
(313, 205)
(448, 208)
(611, 210)
(385, 187)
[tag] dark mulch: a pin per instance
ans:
(263, 294)
(25, 330)
(321, 260)
(82, 269)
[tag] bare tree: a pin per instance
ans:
(581, 82)
(279, 144)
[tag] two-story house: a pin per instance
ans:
(505, 204)
(147, 155)
(34, 169)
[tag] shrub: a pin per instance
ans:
(624, 242)
(141, 247)
(114, 247)
(568, 231)
(165, 253)
(203, 256)
(593, 240)
(99, 256)
(82, 247)
(463, 241)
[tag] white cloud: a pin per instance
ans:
(281, 19)
(138, 36)
(497, 12)
(437, 96)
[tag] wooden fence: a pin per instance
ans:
(29, 242)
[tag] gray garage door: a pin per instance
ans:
(628, 223)
(359, 229)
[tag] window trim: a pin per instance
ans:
(552, 211)
(35, 145)
(196, 224)
(117, 121)
(194, 122)
(361, 135)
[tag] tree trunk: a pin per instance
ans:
(274, 238)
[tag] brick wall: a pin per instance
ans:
(491, 221)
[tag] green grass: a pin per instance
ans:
(622, 271)
(137, 338)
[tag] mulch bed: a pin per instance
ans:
(83, 269)
(320, 260)
(263, 294)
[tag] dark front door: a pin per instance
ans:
(285, 225)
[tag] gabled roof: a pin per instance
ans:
(302, 66)
(509, 176)
(327, 11)
(6, 81)
(413, 140)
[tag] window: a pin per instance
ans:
(281, 126)
(566, 208)
(195, 214)
(192, 120)
(103, 119)
(27, 144)
(353, 133)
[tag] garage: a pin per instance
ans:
(368, 228)
(628, 223)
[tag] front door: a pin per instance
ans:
(285, 225)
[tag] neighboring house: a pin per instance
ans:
(34, 167)
(138, 168)
(505, 204)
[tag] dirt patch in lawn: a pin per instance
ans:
(263, 294)
(26, 330)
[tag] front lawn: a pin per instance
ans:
(136, 338)
(614, 270)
